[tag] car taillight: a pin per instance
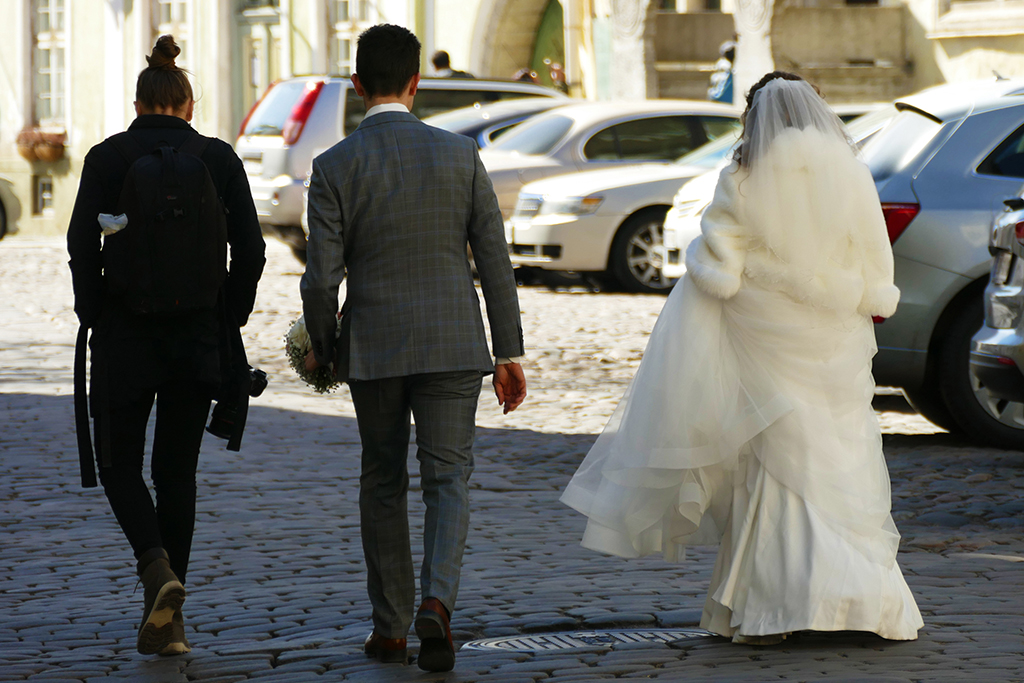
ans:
(255, 105)
(300, 112)
(1018, 230)
(898, 217)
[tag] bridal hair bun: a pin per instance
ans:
(164, 53)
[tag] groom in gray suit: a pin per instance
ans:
(392, 207)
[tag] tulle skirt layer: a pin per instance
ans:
(749, 424)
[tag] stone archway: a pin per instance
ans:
(504, 36)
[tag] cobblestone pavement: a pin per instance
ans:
(276, 588)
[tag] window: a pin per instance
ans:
(602, 147)
(1008, 158)
(172, 17)
(345, 60)
(349, 18)
(900, 143)
(650, 139)
(42, 195)
(539, 135)
(48, 62)
(717, 126)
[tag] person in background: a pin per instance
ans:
(526, 76)
(443, 66)
(720, 89)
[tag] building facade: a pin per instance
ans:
(69, 69)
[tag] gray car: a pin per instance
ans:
(943, 165)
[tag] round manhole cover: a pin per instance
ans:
(575, 640)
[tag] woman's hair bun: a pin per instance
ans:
(164, 53)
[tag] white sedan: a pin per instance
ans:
(595, 135)
(606, 221)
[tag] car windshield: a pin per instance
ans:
(457, 119)
(712, 153)
(273, 111)
(900, 142)
(536, 136)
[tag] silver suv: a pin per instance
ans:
(298, 118)
(943, 165)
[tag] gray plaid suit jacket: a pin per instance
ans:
(392, 206)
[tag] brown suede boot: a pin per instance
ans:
(163, 597)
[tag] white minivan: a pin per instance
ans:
(298, 118)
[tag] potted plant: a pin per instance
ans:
(50, 146)
(26, 142)
(37, 144)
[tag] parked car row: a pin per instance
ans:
(619, 189)
(610, 221)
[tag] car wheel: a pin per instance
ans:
(636, 258)
(982, 416)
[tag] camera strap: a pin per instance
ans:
(86, 460)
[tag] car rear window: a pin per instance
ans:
(899, 143)
(539, 135)
(270, 116)
(1008, 158)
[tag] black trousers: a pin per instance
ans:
(181, 411)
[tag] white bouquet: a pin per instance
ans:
(297, 345)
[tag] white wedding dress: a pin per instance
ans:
(749, 422)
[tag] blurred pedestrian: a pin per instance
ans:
(392, 207)
(443, 66)
(526, 76)
(162, 308)
(749, 422)
(720, 88)
(557, 75)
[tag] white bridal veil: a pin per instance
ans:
(803, 188)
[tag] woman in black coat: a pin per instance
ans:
(147, 353)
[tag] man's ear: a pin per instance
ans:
(414, 83)
(358, 85)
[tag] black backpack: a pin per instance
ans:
(172, 255)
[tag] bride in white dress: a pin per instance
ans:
(749, 422)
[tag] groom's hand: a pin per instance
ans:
(311, 362)
(509, 385)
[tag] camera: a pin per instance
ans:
(229, 409)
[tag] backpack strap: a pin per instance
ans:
(195, 145)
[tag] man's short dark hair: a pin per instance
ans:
(387, 57)
(441, 60)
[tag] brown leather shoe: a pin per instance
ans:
(386, 650)
(437, 652)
